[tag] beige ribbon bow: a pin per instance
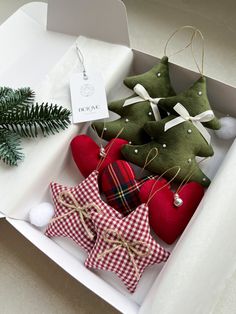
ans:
(117, 240)
(144, 96)
(75, 207)
(185, 116)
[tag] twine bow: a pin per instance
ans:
(144, 96)
(185, 116)
(117, 240)
(75, 207)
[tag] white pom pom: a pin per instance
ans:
(41, 214)
(228, 128)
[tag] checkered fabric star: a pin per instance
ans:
(125, 246)
(73, 208)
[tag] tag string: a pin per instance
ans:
(81, 59)
(196, 32)
(151, 194)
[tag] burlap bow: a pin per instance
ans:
(117, 241)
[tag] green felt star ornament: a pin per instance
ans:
(154, 84)
(178, 146)
(194, 99)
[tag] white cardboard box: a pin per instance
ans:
(204, 256)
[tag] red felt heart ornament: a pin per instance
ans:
(167, 220)
(87, 154)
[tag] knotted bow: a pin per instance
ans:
(75, 207)
(117, 240)
(144, 96)
(185, 116)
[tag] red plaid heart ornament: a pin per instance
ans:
(87, 154)
(121, 188)
(166, 219)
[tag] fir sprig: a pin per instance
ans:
(19, 117)
(10, 150)
(27, 121)
(11, 100)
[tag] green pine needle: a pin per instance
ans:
(27, 121)
(10, 150)
(11, 99)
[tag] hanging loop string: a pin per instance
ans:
(173, 34)
(75, 207)
(151, 194)
(113, 237)
(81, 59)
(201, 67)
(108, 149)
(188, 176)
(147, 162)
(102, 149)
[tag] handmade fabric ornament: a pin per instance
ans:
(170, 212)
(73, 208)
(87, 154)
(178, 146)
(120, 186)
(141, 107)
(125, 246)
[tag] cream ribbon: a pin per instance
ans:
(75, 207)
(144, 96)
(185, 116)
(118, 241)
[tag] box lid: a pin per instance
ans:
(78, 19)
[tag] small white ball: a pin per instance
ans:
(41, 214)
(228, 128)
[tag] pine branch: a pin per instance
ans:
(10, 150)
(27, 121)
(11, 99)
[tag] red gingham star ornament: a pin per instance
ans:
(73, 209)
(125, 246)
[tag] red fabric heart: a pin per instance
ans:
(167, 220)
(86, 153)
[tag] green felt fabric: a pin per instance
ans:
(194, 99)
(156, 81)
(140, 113)
(176, 147)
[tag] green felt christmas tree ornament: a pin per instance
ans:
(141, 107)
(178, 144)
(194, 99)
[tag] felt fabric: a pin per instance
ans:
(176, 147)
(73, 225)
(125, 246)
(194, 99)
(120, 186)
(133, 117)
(87, 154)
(156, 81)
(167, 220)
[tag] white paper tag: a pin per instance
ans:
(88, 97)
